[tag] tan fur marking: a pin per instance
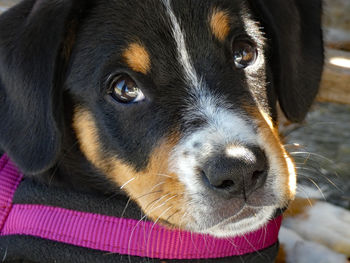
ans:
(282, 255)
(137, 58)
(299, 207)
(275, 149)
(220, 24)
(87, 135)
(157, 192)
(268, 132)
(155, 204)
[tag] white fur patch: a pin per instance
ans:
(325, 224)
(302, 251)
(239, 152)
(183, 55)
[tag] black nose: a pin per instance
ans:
(236, 175)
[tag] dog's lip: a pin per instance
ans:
(246, 212)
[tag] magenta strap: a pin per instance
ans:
(9, 180)
(120, 235)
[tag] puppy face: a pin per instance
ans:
(173, 107)
(174, 102)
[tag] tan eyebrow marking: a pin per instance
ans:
(220, 24)
(137, 58)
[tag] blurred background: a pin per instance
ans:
(321, 145)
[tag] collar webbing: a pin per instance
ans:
(117, 235)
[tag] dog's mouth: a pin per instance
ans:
(224, 218)
(247, 220)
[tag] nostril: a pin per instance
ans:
(205, 178)
(258, 179)
(257, 175)
(226, 184)
(222, 185)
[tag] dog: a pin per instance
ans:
(172, 103)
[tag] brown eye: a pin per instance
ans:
(245, 53)
(124, 89)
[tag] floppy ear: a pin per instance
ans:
(296, 48)
(31, 46)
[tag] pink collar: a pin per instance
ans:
(117, 235)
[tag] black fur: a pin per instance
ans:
(31, 90)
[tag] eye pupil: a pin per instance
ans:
(124, 89)
(244, 53)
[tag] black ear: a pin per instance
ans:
(296, 48)
(31, 44)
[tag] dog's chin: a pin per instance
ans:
(247, 220)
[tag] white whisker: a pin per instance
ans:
(313, 182)
(155, 222)
(165, 175)
(313, 154)
(306, 195)
(126, 206)
(318, 172)
(129, 181)
(155, 186)
(154, 202)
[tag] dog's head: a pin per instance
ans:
(172, 101)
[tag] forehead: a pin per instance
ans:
(142, 14)
(118, 24)
(149, 22)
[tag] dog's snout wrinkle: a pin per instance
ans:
(237, 176)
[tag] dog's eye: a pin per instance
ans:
(244, 53)
(124, 89)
